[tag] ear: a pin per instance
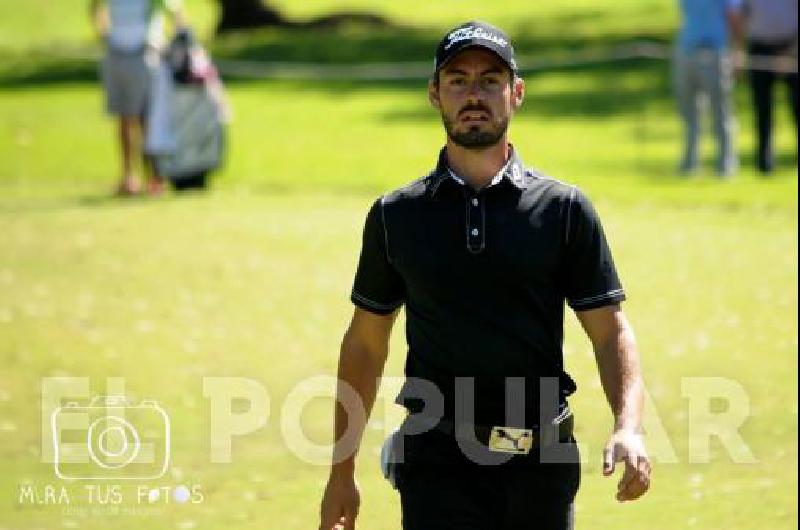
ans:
(517, 93)
(433, 93)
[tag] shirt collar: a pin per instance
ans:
(495, 179)
(513, 172)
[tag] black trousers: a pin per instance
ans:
(441, 489)
(762, 83)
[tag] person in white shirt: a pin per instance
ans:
(133, 34)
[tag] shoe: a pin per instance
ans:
(155, 187)
(728, 172)
(687, 169)
(128, 187)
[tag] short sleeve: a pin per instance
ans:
(591, 279)
(378, 288)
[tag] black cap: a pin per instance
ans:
(475, 34)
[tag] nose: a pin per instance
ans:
(474, 90)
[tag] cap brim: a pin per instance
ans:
(468, 45)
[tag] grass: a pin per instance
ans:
(89, 291)
(251, 279)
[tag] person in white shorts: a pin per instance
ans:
(133, 33)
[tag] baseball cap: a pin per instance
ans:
(474, 34)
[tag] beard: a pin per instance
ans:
(474, 137)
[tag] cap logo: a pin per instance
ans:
(472, 32)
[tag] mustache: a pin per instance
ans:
(475, 107)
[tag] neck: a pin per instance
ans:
(477, 166)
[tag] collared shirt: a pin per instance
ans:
(495, 179)
(484, 275)
(137, 23)
(705, 23)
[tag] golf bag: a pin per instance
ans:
(186, 117)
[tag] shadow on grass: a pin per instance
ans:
(38, 70)
(347, 44)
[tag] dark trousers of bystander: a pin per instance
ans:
(762, 83)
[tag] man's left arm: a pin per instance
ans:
(175, 10)
(99, 15)
(736, 18)
(620, 373)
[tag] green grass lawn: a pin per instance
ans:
(251, 285)
(252, 279)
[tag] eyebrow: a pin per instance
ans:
(457, 71)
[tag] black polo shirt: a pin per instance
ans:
(484, 276)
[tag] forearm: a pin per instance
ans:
(176, 12)
(737, 22)
(360, 368)
(620, 374)
(99, 15)
(179, 18)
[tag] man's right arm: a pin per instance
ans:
(99, 14)
(174, 8)
(361, 360)
(737, 20)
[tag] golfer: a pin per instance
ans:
(133, 33)
(483, 252)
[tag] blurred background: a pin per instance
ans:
(251, 277)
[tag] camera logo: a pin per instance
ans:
(110, 439)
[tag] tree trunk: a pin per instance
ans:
(241, 14)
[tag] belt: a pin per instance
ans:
(509, 439)
(131, 52)
(502, 439)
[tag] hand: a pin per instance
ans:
(739, 63)
(627, 446)
(340, 503)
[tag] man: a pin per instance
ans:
(483, 253)
(133, 33)
(703, 65)
(772, 43)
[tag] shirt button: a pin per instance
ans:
(474, 202)
(475, 232)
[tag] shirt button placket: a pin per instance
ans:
(475, 224)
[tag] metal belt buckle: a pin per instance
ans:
(511, 440)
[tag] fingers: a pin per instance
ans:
(328, 523)
(339, 524)
(342, 525)
(609, 460)
(331, 519)
(627, 477)
(636, 480)
(345, 522)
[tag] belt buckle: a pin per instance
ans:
(511, 440)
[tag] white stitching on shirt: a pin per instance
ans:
(385, 230)
(572, 193)
(609, 294)
(374, 304)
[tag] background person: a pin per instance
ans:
(133, 32)
(703, 66)
(484, 252)
(772, 42)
